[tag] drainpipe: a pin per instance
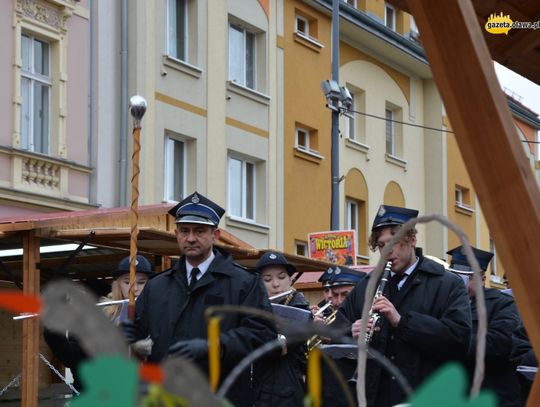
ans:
(90, 99)
(123, 99)
(334, 217)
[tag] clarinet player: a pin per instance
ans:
(426, 319)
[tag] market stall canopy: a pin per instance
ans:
(105, 236)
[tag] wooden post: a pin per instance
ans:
(30, 327)
(494, 156)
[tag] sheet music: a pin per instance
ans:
(292, 313)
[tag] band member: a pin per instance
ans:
(279, 379)
(342, 282)
(325, 303)
(67, 349)
(427, 318)
(171, 307)
(502, 322)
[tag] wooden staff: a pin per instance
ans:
(137, 107)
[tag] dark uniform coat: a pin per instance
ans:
(168, 312)
(500, 371)
(278, 380)
(435, 327)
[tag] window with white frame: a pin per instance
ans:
(350, 120)
(390, 130)
(175, 169)
(242, 56)
(351, 2)
(302, 139)
(301, 25)
(301, 248)
(414, 33)
(242, 188)
(493, 250)
(177, 29)
(351, 217)
(463, 198)
(390, 16)
(36, 83)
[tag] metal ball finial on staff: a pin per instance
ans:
(137, 107)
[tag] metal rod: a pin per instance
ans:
(99, 304)
(74, 253)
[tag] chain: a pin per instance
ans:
(13, 382)
(44, 359)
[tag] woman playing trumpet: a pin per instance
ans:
(278, 379)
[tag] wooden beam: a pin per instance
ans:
(30, 327)
(493, 154)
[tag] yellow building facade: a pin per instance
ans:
(379, 163)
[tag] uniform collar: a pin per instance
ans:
(203, 267)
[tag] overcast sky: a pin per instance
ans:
(529, 91)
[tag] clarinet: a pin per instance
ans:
(375, 317)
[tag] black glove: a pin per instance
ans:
(192, 349)
(132, 331)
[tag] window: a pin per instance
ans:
(177, 29)
(36, 85)
(463, 197)
(414, 33)
(493, 263)
(302, 139)
(390, 131)
(350, 122)
(241, 188)
(351, 217)
(390, 17)
(300, 248)
(175, 165)
(242, 58)
(302, 25)
(350, 2)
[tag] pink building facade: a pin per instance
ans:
(45, 164)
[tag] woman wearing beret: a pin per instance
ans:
(279, 379)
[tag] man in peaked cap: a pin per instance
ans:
(502, 319)
(426, 316)
(324, 279)
(342, 283)
(171, 307)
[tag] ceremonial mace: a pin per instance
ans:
(137, 107)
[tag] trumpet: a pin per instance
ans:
(375, 317)
(316, 340)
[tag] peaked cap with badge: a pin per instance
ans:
(388, 215)
(274, 259)
(326, 277)
(345, 276)
(198, 209)
(460, 264)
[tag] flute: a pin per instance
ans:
(280, 295)
(99, 304)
